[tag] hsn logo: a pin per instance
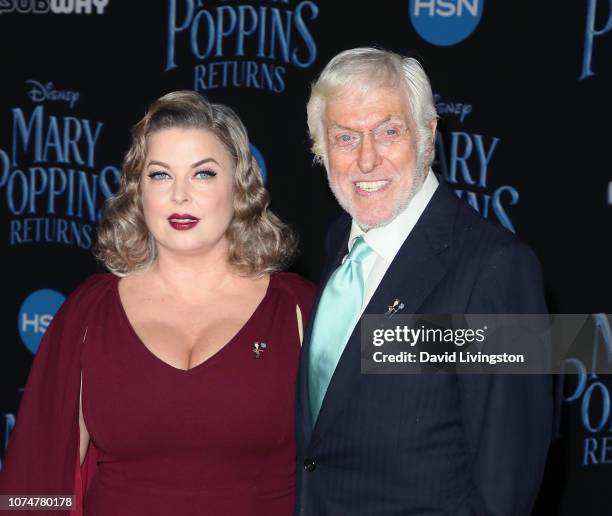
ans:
(36, 314)
(445, 22)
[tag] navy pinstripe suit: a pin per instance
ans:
(430, 444)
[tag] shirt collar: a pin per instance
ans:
(387, 240)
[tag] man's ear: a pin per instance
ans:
(433, 125)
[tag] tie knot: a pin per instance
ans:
(359, 251)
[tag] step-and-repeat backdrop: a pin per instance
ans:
(524, 94)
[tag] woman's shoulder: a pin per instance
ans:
(85, 302)
(300, 288)
(92, 290)
(96, 283)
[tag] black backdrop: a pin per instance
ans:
(524, 93)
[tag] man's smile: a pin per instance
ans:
(371, 186)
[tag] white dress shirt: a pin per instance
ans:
(387, 240)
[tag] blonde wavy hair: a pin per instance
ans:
(259, 242)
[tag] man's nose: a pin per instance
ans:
(368, 158)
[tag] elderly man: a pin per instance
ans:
(408, 444)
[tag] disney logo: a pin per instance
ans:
(457, 109)
(47, 92)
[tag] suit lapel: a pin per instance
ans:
(418, 267)
(303, 398)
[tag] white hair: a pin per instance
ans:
(369, 68)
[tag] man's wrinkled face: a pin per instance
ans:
(371, 154)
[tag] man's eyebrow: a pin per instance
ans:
(388, 118)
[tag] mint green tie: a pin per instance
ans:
(338, 312)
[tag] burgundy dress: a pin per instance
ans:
(217, 439)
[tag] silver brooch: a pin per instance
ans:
(394, 307)
(258, 349)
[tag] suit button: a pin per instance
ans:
(310, 465)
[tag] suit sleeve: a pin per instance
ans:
(507, 418)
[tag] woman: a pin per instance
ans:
(171, 381)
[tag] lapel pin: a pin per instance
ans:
(258, 349)
(394, 307)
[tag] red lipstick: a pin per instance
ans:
(183, 221)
